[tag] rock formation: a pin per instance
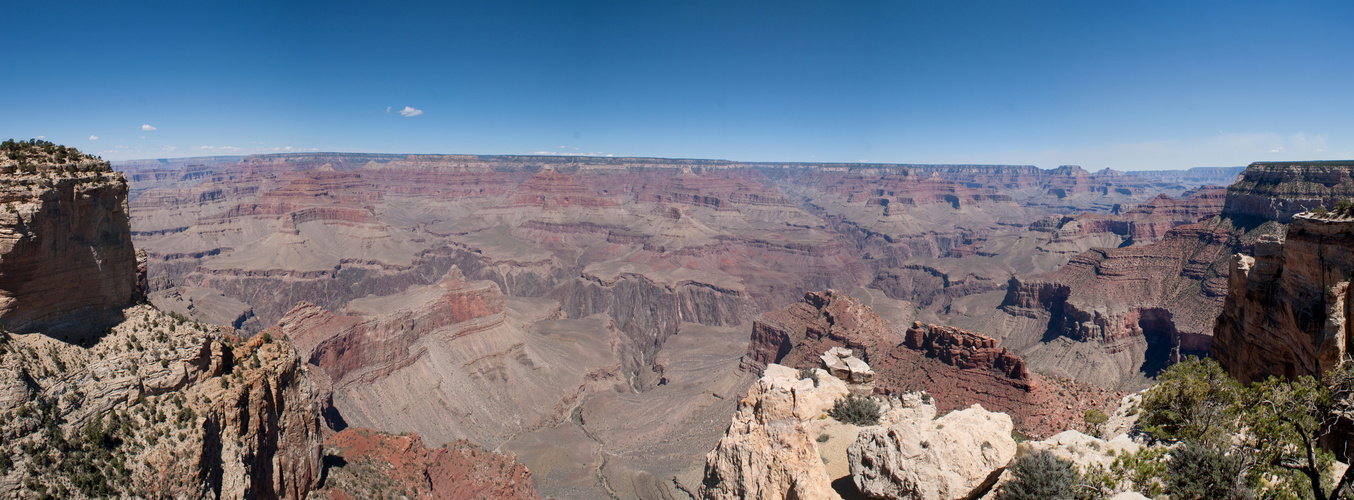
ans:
(103, 399)
(66, 258)
(767, 453)
(956, 366)
(959, 455)
(1279, 190)
(369, 464)
(1287, 311)
(190, 410)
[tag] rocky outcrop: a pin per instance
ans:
(370, 464)
(190, 408)
(1287, 311)
(957, 367)
(379, 333)
(1279, 190)
(67, 265)
(1138, 308)
(767, 453)
(959, 455)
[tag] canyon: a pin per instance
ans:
(343, 325)
(592, 315)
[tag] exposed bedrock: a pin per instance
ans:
(67, 265)
(270, 294)
(926, 285)
(372, 464)
(1279, 190)
(647, 312)
(1287, 311)
(959, 367)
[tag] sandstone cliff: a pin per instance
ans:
(767, 452)
(1287, 311)
(1279, 190)
(67, 264)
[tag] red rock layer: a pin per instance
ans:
(549, 188)
(721, 191)
(67, 265)
(1093, 296)
(957, 367)
(381, 464)
(346, 343)
(1151, 220)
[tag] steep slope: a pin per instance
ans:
(128, 401)
(1287, 311)
(66, 257)
(369, 464)
(958, 367)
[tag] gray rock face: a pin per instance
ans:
(956, 456)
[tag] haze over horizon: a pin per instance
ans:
(1146, 85)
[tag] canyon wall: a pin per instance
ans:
(66, 258)
(1287, 307)
(1278, 190)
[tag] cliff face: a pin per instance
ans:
(958, 367)
(1279, 190)
(375, 465)
(66, 258)
(1287, 308)
(189, 409)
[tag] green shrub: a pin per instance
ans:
(1194, 400)
(1040, 476)
(1198, 472)
(854, 410)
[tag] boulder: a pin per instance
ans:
(767, 452)
(956, 456)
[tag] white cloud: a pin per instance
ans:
(93, 137)
(205, 148)
(141, 137)
(147, 128)
(1276, 150)
(41, 137)
(388, 108)
(410, 111)
(169, 148)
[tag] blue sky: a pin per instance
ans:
(1125, 85)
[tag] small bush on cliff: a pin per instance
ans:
(1040, 476)
(809, 373)
(855, 410)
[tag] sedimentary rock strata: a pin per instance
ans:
(958, 367)
(67, 264)
(189, 408)
(1287, 307)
